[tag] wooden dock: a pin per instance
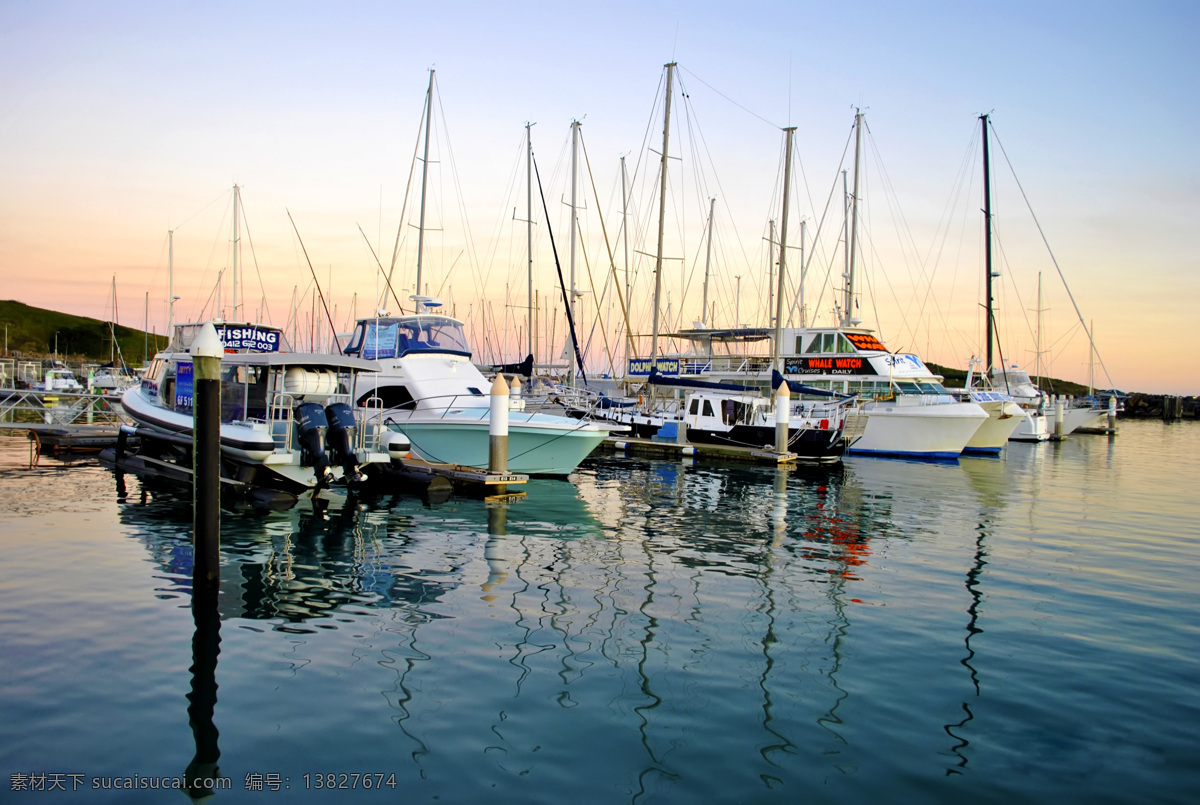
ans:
(471, 479)
(67, 438)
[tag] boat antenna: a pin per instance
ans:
(561, 283)
(317, 282)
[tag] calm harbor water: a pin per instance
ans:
(1016, 629)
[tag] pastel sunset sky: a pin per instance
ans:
(125, 120)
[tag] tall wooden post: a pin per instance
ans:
(206, 450)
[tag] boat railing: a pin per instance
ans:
(281, 419)
(371, 424)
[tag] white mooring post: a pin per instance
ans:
(783, 402)
(1058, 417)
(498, 427)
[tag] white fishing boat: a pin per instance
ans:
(287, 420)
(426, 387)
(57, 379)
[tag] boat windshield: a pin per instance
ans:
(375, 339)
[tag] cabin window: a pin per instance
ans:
(474, 391)
(708, 409)
(907, 387)
(388, 397)
(695, 407)
(828, 343)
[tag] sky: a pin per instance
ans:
(123, 121)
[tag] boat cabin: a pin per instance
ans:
(396, 336)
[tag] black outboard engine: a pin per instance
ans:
(341, 441)
(311, 425)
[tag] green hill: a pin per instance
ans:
(1050, 385)
(31, 333)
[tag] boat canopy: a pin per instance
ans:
(395, 337)
(799, 388)
(682, 382)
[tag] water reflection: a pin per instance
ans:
(202, 700)
(648, 592)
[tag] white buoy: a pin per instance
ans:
(498, 427)
(783, 402)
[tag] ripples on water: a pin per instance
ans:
(1022, 628)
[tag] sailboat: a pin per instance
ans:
(901, 409)
(1004, 415)
(725, 411)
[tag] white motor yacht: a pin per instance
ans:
(427, 388)
(902, 410)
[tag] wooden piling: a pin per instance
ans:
(206, 451)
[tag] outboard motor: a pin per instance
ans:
(311, 425)
(341, 440)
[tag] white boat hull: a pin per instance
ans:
(1004, 416)
(1032, 428)
(916, 431)
(538, 444)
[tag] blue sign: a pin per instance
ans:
(380, 341)
(640, 367)
(183, 386)
(254, 339)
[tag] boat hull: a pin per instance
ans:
(1033, 427)
(916, 431)
(807, 444)
(1004, 416)
(538, 444)
(242, 442)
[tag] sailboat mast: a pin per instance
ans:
(574, 225)
(802, 272)
(1038, 343)
(629, 347)
(662, 214)
(987, 240)
(424, 183)
(236, 237)
(848, 319)
(529, 226)
(777, 360)
(770, 267)
(1091, 360)
(170, 283)
(708, 259)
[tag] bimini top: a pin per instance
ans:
(396, 336)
